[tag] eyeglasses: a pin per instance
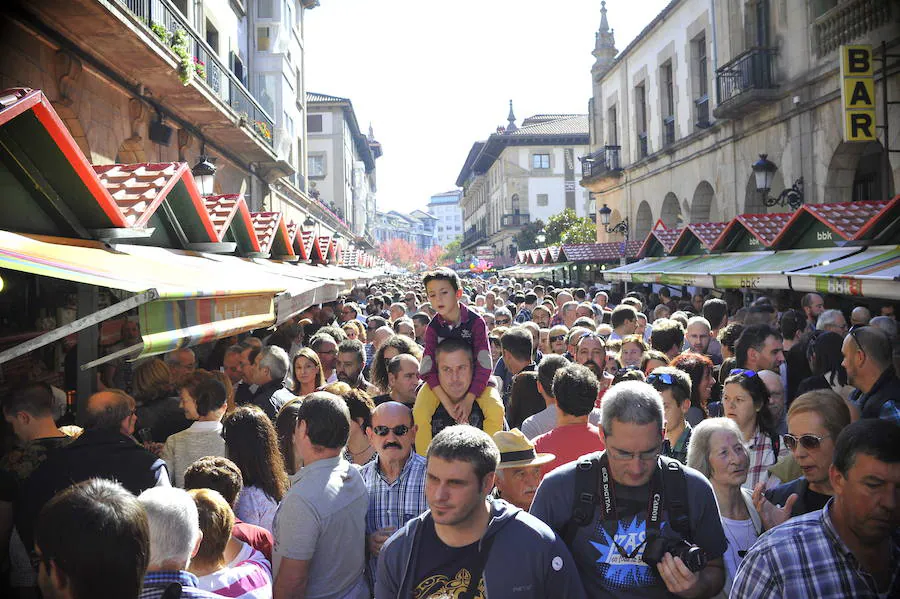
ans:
(806, 441)
(382, 431)
(734, 371)
(556, 338)
(624, 456)
(504, 321)
(852, 332)
(662, 377)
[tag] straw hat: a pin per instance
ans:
(517, 451)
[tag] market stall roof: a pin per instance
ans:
(44, 174)
(322, 249)
(697, 238)
(827, 225)
(520, 256)
(554, 252)
(751, 232)
(660, 240)
(874, 272)
(757, 270)
(231, 219)
(273, 234)
(162, 198)
(184, 298)
(610, 251)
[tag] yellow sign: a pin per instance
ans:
(858, 93)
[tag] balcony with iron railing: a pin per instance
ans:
(472, 236)
(701, 105)
(668, 131)
(745, 83)
(150, 47)
(165, 21)
(643, 148)
(605, 162)
(514, 220)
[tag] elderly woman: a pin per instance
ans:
(224, 565)
(746, 401)
(717, 450)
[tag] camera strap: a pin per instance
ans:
(607, 500)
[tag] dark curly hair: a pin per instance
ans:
(252, 444)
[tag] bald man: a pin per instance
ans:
(860, 316)
(104, 450)
(395, 479)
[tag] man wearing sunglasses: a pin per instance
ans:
(815, 420)
(395, 479)
(868, 361)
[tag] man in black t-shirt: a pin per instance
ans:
(610, 548)
(469, 545)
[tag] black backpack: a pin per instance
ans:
(587, 477)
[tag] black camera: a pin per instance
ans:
(693, 557)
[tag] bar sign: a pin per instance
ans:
(858, 93)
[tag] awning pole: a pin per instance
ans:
(136, 348)
(77, 325)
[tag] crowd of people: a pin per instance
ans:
(439, 437)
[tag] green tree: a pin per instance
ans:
(452, 252)
(526, 239)
(567, 227)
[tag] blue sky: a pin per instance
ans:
(434, 76)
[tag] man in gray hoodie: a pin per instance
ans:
(468, 545)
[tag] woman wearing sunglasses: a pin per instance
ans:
(815, 420)
(746, 401)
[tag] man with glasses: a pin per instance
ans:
(868, 360)
(627, 500)
(502, 317)
(395, 479)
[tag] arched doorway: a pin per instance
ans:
(856, 173)
(643, 221)
(701, 204)
(671, 211)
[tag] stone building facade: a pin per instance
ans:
(113, 73)
(521, 174)
(679, 117)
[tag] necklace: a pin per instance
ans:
(351, 452)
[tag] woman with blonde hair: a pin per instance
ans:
(355, 330)
(158, 410)
(307, 372)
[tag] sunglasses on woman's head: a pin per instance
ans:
(749, 373)
(805, 441)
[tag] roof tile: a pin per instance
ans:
(765, 227)
(846, 218)
(707, 233)
(221, 209)
(599, 252)
(138, 189)
(266, 226)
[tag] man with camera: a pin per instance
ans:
(638, 524)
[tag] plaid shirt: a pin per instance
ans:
(155, 584)
(762, 457)
(805, 557)
(393, 504)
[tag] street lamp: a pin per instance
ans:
(764, 171)
(309, 222)
(621, 227)
(540, 238)
(205, 173)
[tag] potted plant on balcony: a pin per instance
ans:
(185, 62)
(200, 68)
